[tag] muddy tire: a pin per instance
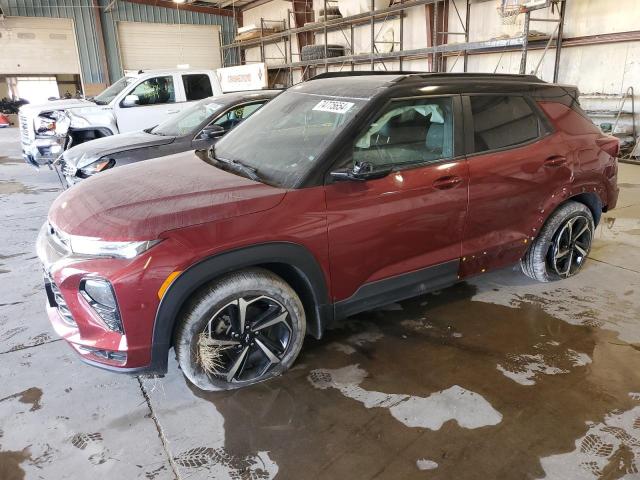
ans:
(563, 244)
(241, 329)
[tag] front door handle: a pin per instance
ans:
(555, 161)
(447, 182)
(172, 111)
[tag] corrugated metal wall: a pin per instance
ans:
(81, 11)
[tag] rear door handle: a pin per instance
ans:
(555, 161)
(447, 182)
(172, 111)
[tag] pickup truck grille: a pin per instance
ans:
(24, 129)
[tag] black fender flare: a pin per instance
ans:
(298, 260)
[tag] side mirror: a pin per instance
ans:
(360, 172)
(130, 101)
(211, 131)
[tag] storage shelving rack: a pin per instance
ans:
(436, 51)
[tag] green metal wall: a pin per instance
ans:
(81, 11)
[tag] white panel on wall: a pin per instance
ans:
(162, 45)
(31, 45)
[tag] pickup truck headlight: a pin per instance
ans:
(97, 166)
(51, 124)
(101, 248)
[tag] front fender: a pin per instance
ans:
(312, 288)
(93, 118)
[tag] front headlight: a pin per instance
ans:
(97, 166)
(45, 126)
(101, 248)
(51, 123)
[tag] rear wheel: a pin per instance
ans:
(563, 245)
(242, 329)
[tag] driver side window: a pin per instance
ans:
(233, 117)
(155, 91)
(408, 132)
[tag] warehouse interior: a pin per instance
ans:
(494, 376)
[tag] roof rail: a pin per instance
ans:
(363, 73)
(489, 76)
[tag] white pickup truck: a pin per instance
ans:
(135, 102)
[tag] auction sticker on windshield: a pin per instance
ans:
(333, 106)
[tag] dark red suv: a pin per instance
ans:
(344, 193)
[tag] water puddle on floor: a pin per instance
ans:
(9, 187)
(447, 387)
(31, 396)
(10, 160)
(10, 461)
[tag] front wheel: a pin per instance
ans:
(563, 245)
(243, 329)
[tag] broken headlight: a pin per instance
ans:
(54, 123)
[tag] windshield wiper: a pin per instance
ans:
(250, 172)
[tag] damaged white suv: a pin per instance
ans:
(135, 102)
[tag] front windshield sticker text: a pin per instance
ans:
(333, 106)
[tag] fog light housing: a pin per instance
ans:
(100, 296)
(108, 356)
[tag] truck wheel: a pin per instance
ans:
(242, 329)
(563, 244)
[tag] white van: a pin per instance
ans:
(135, 102)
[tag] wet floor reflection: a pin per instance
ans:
(553, 384)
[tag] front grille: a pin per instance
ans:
(24, 129)
(67, 169)
(57, 300)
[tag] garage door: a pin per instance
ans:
(162, 45)
(38, 46)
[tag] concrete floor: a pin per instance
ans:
(497, 378)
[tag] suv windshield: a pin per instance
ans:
(112, 92)
(283, 139)
(188, 121)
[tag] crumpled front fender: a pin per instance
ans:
(92, 118)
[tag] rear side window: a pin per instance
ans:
(501, 121)
(197, 86)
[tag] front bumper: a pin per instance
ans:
(73, 319)
(42, 151)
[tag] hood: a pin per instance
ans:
(34, 109)
(82, 155)
(143, 200)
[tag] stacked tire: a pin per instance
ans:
(331, 13)
(317, 52)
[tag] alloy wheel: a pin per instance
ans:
(245, 338)
(571, 245)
